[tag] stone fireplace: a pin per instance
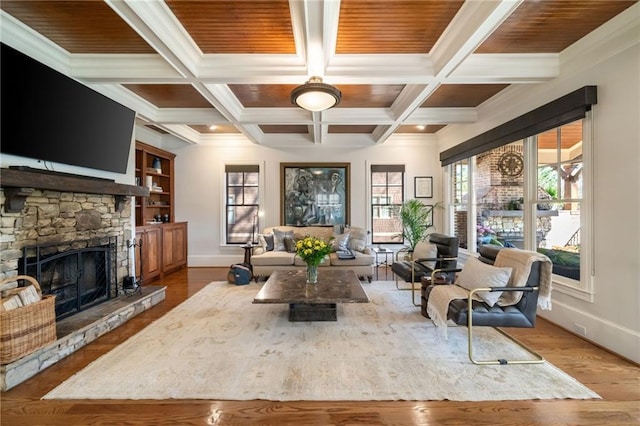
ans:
(72, 233)
(47, 217)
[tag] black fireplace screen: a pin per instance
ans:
(79, 278)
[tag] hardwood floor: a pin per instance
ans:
(616, 380)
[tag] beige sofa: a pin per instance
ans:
(267, 258)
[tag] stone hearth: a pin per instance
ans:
(78, 331)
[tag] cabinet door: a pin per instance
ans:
(152, 252)
(174, 246)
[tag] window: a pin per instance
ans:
(556, 204)
(242, 203)
(460, 187)
(500, 182)
(560, 188)
(499, 187)
(387, 196)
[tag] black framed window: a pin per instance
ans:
(387, 196)
(242, 203)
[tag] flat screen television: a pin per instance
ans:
(48, 116)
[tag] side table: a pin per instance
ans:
(378, 251)
(248, 248)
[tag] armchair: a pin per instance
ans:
(528, 286)
(425, 261)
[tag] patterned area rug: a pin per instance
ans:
(218, 345)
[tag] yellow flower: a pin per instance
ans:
(312, 249)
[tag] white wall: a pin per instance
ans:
(612, 319)
(200, 173)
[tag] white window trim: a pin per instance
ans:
(223, 197)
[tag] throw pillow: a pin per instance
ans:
(357, 239)
(426, 250)
(278, 239)
(290, 244)
(340, 242)
(476, 274)
(266, 241)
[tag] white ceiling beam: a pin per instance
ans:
(156, 24)
(292, 115)
(358, 116)
(252, 69)
(506, 68)
(442, 116)
(190, 116)
(123, 68)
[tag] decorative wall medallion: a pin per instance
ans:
(511, 164)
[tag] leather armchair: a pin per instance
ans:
(522, 314)
(413, 270)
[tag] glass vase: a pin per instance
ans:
(312, 274)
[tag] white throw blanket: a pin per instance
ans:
(520, 261)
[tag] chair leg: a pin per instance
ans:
(538, 359)
(413, 285)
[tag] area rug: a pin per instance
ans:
(218, 345)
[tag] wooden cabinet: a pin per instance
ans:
(164, 249)
(150, 252)
(174, 246)
(154, 170)
(164, 245)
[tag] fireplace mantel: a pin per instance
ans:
(18, 184)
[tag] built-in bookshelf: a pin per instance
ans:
(154, 170)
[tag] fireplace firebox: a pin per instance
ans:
(79, 277)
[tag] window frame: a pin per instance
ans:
(581, 289)
(225, 204)
(385, 168)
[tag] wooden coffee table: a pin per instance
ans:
(312, 302)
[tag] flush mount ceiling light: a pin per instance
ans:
(315, 95)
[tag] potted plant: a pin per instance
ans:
(416, 221)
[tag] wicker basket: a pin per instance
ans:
(25, 329)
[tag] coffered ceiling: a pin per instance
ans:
(410, 66)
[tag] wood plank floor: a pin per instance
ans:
(616, 380)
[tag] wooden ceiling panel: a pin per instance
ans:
(380, 26)
(368, 95)
(431, 128)
(78, 26)
(170, 95)
(462, 95)
(231, 26)
(550, 26)
(281, 128)
(352, 128)
(220, 128)
(263, 95)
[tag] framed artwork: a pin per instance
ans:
(314, 194)
(423, 187)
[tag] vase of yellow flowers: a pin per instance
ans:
(313, 251)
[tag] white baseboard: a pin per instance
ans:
(614, 337)
(213, 261)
